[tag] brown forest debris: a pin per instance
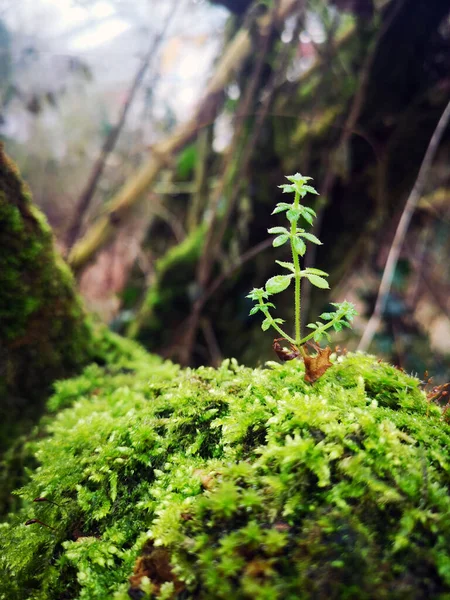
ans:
(154, 563)
(315, 366)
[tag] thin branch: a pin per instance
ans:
(211, 342)
(245, 257)
(111, 140)
(177, 350)
(410, 206)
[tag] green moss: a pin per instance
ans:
(168, 297)
(235, 483)
(43, 328)
(44, 332)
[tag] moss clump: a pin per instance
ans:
(44, 334)
(170, 296)
(235, 483)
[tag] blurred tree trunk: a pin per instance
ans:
(44, 333)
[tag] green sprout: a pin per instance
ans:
(297, 237)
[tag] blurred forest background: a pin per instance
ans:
(154, 133)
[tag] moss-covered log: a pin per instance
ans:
(44, 334)
(168, 300)
(235, 483)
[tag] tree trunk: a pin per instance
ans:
(44, 333)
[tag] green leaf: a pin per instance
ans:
(280, 240)
(310, 189)
(319, 334)
(298, 178)
(266, 324)
(257, 293)
(315, 271)
(311, 238)
(281, 206)
(312, 326)
(277, 284)
(278, 230)
(286, 265)
(299, 246)
(293, 215)
(280, 321)
(287, 189)
(327, 316)
(255, 309)
(319, 282)
(186, 161)
(337, 326)
(308, 218)
(310, 210)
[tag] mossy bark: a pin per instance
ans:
(168, 301)
(44, 333)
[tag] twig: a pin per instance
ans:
(111, 139)
(251, 253)
(211, 342)
(400, 233)
(178, 350)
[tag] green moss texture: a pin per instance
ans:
(169, 299)
(157, 482)
(44, 334)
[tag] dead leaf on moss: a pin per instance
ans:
(283, 353)
(154, 564)
(206, 479)
(315, 366)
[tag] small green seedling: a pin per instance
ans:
(297, 237)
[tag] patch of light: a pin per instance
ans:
(100, 10)
(288, 31)
(103, 32)
(233, 91)
(315, 29)
(187, 96)
(305, 38)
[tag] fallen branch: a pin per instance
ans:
(111, 139)
(394, 252)
(164, 152)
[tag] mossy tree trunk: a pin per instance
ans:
(44, 333)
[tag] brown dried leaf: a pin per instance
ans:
(283, 353)
(154, 564)
(315, 366)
